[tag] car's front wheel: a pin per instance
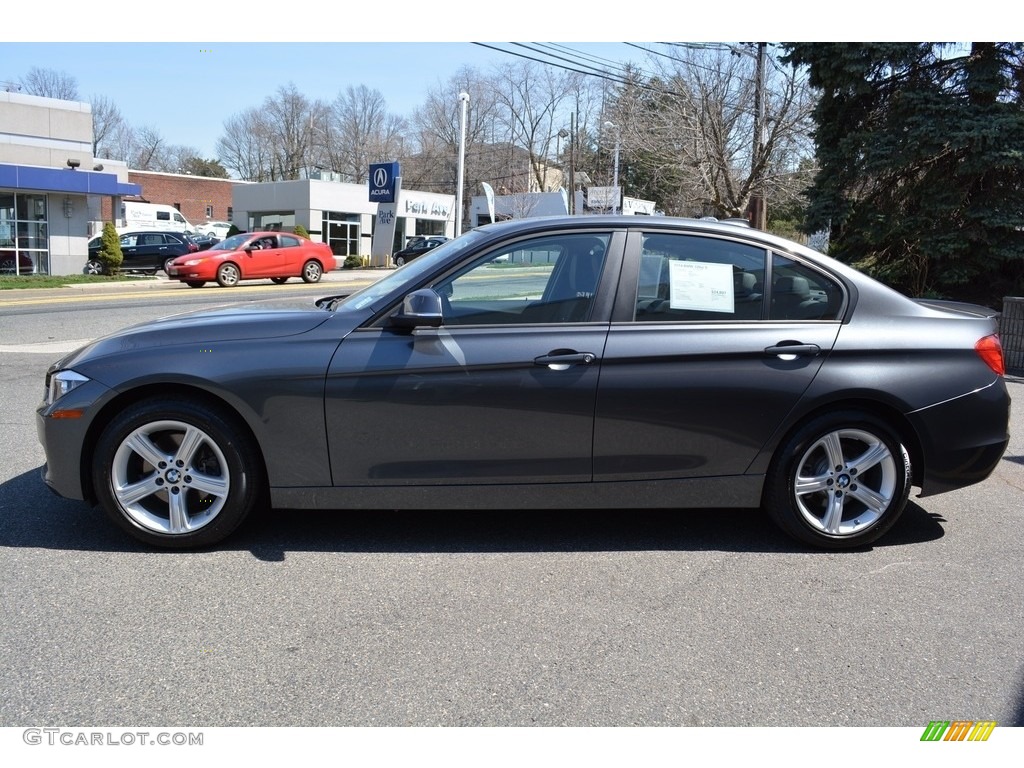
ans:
(93, 267)
(841, 481)
(312, 271)
(228, 275)
(167, 265)
(176, 473)
(399, 261)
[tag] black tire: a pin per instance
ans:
(93, 267)
(279, 280)
(195, 283)
(399, 261)
(840, 481)
(312, 271)
(177, 474)
(167, 264)
(228, 275)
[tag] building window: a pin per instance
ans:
(209, 211)
(341, 232)
(24, 237)
(231, 213)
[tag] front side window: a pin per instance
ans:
(552, 279)
(690, 277)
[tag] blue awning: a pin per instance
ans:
(34, 178)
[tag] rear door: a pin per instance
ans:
(703, 361)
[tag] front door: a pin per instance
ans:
(503, 392)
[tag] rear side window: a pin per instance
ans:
(290, 241)
(689, 277)
(802, 293)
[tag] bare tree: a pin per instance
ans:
(147, 146)
(289, 119)
(50, 83)
(106, 120)
(359, 131)
(533, 100)
(688, 132)
(245, 146)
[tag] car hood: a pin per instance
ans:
(255, 320)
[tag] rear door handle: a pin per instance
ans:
(791, 351)
(563, 361)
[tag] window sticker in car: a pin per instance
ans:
(702, 286)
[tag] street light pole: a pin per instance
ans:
(615, 176)
(464, 100)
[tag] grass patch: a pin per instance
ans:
(9, 282)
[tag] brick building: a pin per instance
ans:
(199, 198)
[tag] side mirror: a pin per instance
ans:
(420, 308)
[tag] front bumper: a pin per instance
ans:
(63, 431)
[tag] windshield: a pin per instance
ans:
(409, 274)
(233, 243)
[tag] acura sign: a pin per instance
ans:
(382, 182)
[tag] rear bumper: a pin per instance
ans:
(964, 438)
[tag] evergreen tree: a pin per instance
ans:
(110, 255)
(921, 154)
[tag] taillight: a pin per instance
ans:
(990, 350)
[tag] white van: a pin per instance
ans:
(153, 216)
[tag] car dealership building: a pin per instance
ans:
(51, 186)
(339, 213)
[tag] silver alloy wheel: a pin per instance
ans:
(169, 477)
(93, 267)
(311, 272)
(227, 275)
(845, 482)
(167, 264)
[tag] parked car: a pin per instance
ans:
(146, 251)
(25, 264)
(215, 229)
(253, 255)
(204, 241)
(615, 362)
(417, 247)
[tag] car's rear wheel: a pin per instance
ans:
(228, 275)
(841, 481)
(93, 267)
(195, 283)
(399, 261)
(312, 271)
(176, 473)
(279, 280)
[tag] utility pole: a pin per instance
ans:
(757, 206)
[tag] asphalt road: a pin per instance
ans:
(492, 618)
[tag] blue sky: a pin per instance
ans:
(187, 90)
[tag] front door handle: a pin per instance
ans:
(561, 361)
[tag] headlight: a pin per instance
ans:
(192, 262)
(60, 383)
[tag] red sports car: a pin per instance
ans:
(252, 255)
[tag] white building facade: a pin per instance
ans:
(339, 214)
(51, 186)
